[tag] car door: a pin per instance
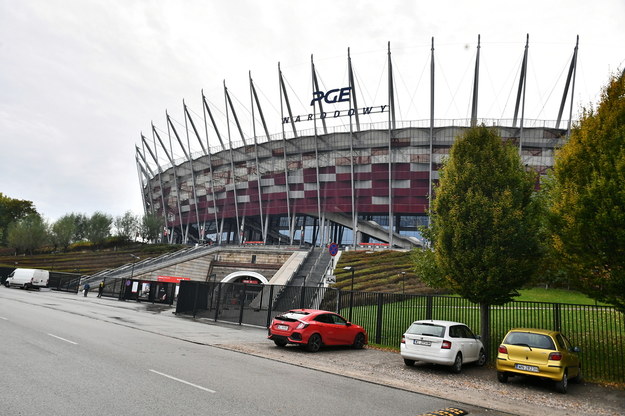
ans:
(327, 329)
(343, 334)
(471, 344)
(457, 339)
(570, 359)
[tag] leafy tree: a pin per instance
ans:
(12, 210)
(63, 231)
(587, 199)
(99, 228)
(151, 227)
(28, 233)
(81, 222)
(485, 221)
(426, 268)
(126, 226)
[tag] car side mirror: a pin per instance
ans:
(575, 349)
(478, 337)
(349, 324)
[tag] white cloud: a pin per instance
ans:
(80, 80)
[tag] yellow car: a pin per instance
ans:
(538, 353)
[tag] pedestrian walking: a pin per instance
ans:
(100, 289)
(87, 287)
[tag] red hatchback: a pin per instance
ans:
(312, 328)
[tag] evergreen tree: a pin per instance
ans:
(485, 221)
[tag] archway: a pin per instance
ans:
(233, 277)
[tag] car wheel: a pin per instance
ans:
(457, 366)
(280, 342)
(579, 377)
(314, 343)
(359, 341)
(481, 358)
(563, 385)
(408, 362)
(502, 377)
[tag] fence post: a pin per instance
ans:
(351, 304)
(378, 326)
(338, 302)
(428, 307)
(270, 306)
(557, 319)
(218, 300)
(302, 298)
(121, 289)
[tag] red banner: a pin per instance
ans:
(171, 279)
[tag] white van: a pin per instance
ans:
(27, 278)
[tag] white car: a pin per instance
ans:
(441, 342)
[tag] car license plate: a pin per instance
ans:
(523, 367)
(422, 342)
(283, 327)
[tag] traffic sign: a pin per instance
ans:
(333, 249)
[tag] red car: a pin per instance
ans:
(312, 328)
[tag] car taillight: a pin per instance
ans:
(403, 339)
(302, 325)
(446, 345)
(502, 349)
(555, 356)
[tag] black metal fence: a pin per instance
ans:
(599, 331)
(64, 282)
(138, 290)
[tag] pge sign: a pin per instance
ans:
(337, 95)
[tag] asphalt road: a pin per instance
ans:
(69, 355)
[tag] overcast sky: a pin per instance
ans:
(80, 79)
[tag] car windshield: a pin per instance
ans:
(530, 340)
(427, 329)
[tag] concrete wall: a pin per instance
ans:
(223, 263)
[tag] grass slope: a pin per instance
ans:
(382, 271)
(86, 261)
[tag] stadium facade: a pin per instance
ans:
(351, 183)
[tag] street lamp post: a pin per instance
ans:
(132, 271)
(352, 269)
(351, 294)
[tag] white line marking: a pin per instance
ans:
(63, 339)
(182, 381)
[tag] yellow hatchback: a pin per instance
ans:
(538, 353)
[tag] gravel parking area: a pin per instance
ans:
(476, 386)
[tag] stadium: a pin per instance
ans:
(341, 170)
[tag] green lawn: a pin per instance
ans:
(556, 296)
(599, 331)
